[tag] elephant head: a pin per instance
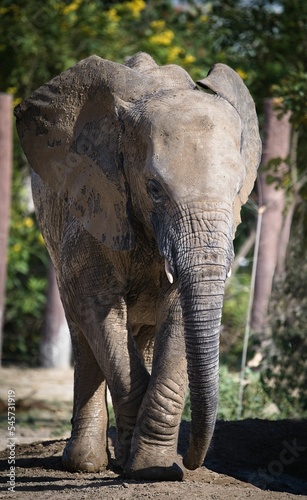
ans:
(138, 145)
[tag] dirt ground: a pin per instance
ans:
(256, 459)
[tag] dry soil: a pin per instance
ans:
(255, 459)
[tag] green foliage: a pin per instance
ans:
(292, 91)
(26, 280)
(265, 39)
(256, 402)
(286, 372)
(38, 41)
(111, 416)
(234, 319)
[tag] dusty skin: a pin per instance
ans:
(253, 459)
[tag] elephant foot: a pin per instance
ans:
(123, 446)
(157, 473)
(84, 454)
(156, 465)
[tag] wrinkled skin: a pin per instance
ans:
(138, 181)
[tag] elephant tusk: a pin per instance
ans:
(168, 272)
(229, 273)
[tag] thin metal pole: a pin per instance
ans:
(5, 193)
(261, 210)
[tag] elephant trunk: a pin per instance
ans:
(202, 319)
(202, 273)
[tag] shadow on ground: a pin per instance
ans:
(269, 457)
(269, 454)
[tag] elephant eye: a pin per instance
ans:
(155, 191)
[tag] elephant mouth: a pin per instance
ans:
(198, 229)
(171, 273)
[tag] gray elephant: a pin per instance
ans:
(139, 177)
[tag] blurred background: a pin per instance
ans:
(263, 338)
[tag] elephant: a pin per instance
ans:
(139, 175)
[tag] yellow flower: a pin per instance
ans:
(189, 59)
(164, 38)
(157, 25)
(173, 53)
(72, 7)
(16, 248)
(112, 15)
(16, 101)
(241, 73)
(41, 239)
(28, 222)
(11, 90)
(204, 19)
(277, 101)
(136, 7)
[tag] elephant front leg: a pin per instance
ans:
(86, 449)
(154, 446)
(125, 373)
(127, 380)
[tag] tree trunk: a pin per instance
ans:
(5, 190)
(285, 232)
(56, 345)
(277, 133)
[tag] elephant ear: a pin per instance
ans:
(225, 82)
(69, 130)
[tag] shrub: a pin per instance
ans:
(26, 281)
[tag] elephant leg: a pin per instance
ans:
(145, 340)
(86, 449)
(120, 362)
(128, 381)
(154, 445)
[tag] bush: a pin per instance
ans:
(26, 281)
(233, 319)
(256, 403)
(286, 372)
